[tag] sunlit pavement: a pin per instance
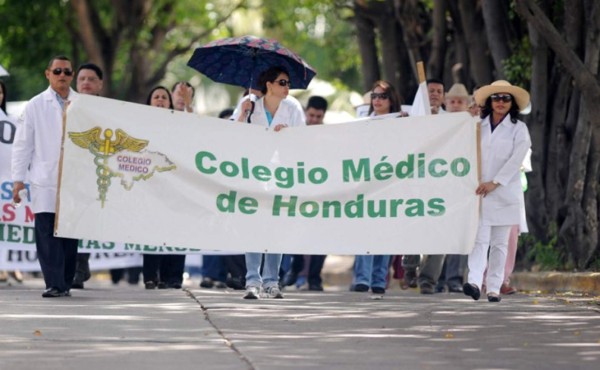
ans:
(110, 327)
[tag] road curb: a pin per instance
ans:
(581, 282)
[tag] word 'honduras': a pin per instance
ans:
(293, 206)
(361, 170)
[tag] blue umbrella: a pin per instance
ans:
(240, 61)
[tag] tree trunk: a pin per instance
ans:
(408, 16)
(535, 197)
(495, 16)
(480, 63)
(586, 243)
(438, 46)
(389, 35)
(365, 32)
(578, 233)
(460, 64)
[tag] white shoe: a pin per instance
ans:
(274, 292)
(252, 292)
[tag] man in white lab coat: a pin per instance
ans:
(37, 149)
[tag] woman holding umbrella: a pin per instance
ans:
(275, 112)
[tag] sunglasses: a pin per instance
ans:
(382, 96)
(284, 83)
(501, 97)
(66, 71)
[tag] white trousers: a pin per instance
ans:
(494, 238)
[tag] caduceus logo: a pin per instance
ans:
(122, 156)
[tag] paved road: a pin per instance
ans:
(106, 327)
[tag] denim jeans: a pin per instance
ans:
(213, 267)
(371, 270)
(270, 271)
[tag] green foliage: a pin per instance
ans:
(321, 32)
(595, 265)
(33, 32)
(517, 68)
(546, 256)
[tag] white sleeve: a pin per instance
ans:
(22, 149)
(522, 143)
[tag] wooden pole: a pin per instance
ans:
(421, 72)
(478, 138)
(60, 164)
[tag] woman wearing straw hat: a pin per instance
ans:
(504, 143)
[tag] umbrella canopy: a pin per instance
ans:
(240, 61)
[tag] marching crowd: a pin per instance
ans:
(505, 143)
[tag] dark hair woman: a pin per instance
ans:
(160, 97)
(171, 266)
(384, 99)
(273, 110)
(504, 143)
(3, 97)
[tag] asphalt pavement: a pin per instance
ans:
(124, 327)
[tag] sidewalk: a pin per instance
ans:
(338, 271)
(561, 282)
(123, 327)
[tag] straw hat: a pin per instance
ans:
(458, 91)
(521, 96)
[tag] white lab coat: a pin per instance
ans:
(287, 113)
(292, 109)
(37, 148)
(502, 153)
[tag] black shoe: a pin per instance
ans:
(290, 279)
(378, 290)
(316, 287)
(77, 285)
(150, 285)
(472, 291)
(361, 288)
(174, 286)
(161, 285)
(220, 285)
(207, 283)
(410, 278)
(492, 297)
(55, 293)
(426, 288)
(236, 283)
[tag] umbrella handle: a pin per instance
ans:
(249, 112)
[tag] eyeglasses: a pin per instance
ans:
(382, 96)
(66, 71)
(284, 83)
(501, 97)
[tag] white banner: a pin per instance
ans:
(16, 224)
(17, 236)
(140, 174)
(27, 261)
